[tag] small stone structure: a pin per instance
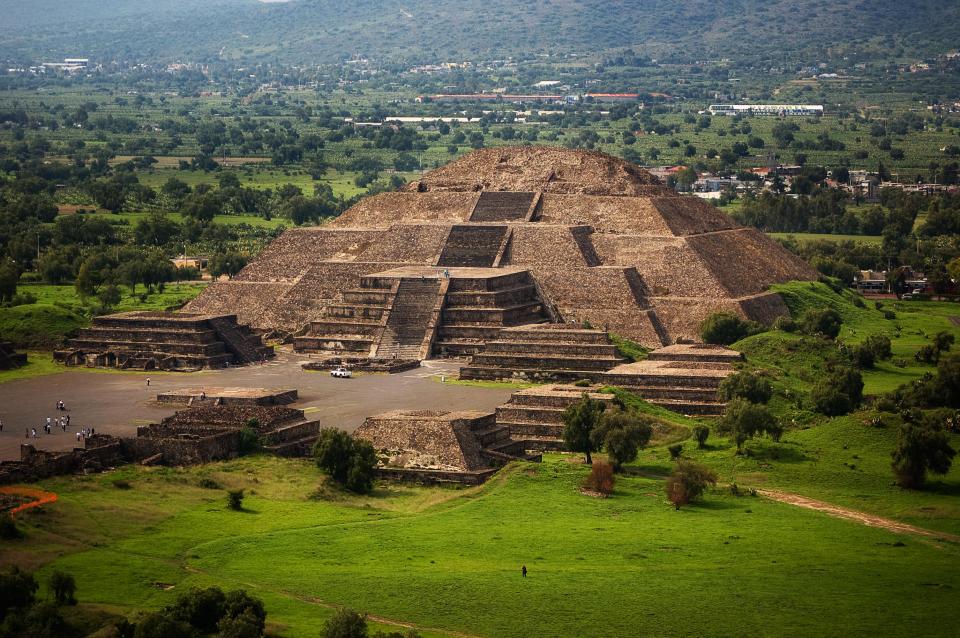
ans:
(436, 446)
(164, 341)
(9, 358)
(101, 452)
(362, 364)
(228, 396)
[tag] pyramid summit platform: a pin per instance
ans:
(506, 237)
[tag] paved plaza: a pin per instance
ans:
(117, 402)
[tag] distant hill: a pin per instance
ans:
(321, 31)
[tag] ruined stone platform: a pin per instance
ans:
(175, 341)
(228, 396)
(438, 446)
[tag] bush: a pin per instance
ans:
(700, 433)
(345, 623)
(208, 484)
(63, 587)
(747, 385)
(838, 393)
(922, 447)
(622, 434)
(160, 626)
(688, 482)
(121, 484)
(347, 460)
(825, 322)
(785, 323)
(248, 441)
(8, 528)
(600, 479)
(17, 590)
(675, 450)
(235, 614)
(235, 500)
(724, 328)
(879, 345)
(863, 357)
(744, 420)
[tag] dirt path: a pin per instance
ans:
(863, 518)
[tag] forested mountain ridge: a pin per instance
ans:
(409, 31)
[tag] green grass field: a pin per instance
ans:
(59, 311)
(808, 237)
(449, 559)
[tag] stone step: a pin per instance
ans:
(333, 343)
(475, 372)
(358, 311)
(366, 296)
(472, 246)
(542, 443)
(492, 435)
(684, 393)
(556, 400)
(295, 448)
(501, 206)
(507, 315)
(699, 408)
(457, 347)
(545, 361)
(606, 350)
(524, 429)
(493, 283)
(531, 414)
(516, 295)
(148, 335)
(106, 345)
(322, 327)
(552, 334)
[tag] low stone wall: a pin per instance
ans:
(102, 452)
(433, 477)
(360, 364)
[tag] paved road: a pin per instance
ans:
(115, 403)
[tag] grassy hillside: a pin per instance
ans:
(449, 559)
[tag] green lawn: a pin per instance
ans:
(807, 237)
(449, 559)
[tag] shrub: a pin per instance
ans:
(943, 341)
(345, 623)
(676, 451)
(158, 625)
(823, 321)
(724, 328)
(243, 615)
(208, 484)
(63, 587)
(17, 590)
(248, 441)
(121, 484)
(785, 323)
(235, 499)
(600, 479)
(838, 393)
(922, 447)
(8, 528)
(622, 434)
(688, 482)
(347, 460)
(747, 385)
(927, 354)
(582, 383)
(879, 345)
(744, 420)
(863, 357)
(700, 433)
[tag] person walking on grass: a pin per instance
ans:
(523, 570)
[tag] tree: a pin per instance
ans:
(701, 433)
(821, 321)
(175, 189)
(840, 392)
(202, 207)
(95, 271)
(229, 263)
(622, 434)
(200, 608)
(688, 482)
(724, 328)
(9, 277)
(744, 420)
(159, 625)
(347, 460)
(63, 587)
(747, 385)
(345, 623)
(579, 421)
(922, 447)
(17, 590)
(109, 295)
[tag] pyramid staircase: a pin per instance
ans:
(476, 309)
(353, 326)
(409, 319)
(534, 417)
(502, 206)
(474, 245)
(548, 352)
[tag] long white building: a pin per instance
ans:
(766, 109)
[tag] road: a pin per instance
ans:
(115, 403)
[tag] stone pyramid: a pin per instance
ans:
(509, 236)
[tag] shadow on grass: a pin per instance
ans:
(940, 487)
(782, 453)
(647, 471)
